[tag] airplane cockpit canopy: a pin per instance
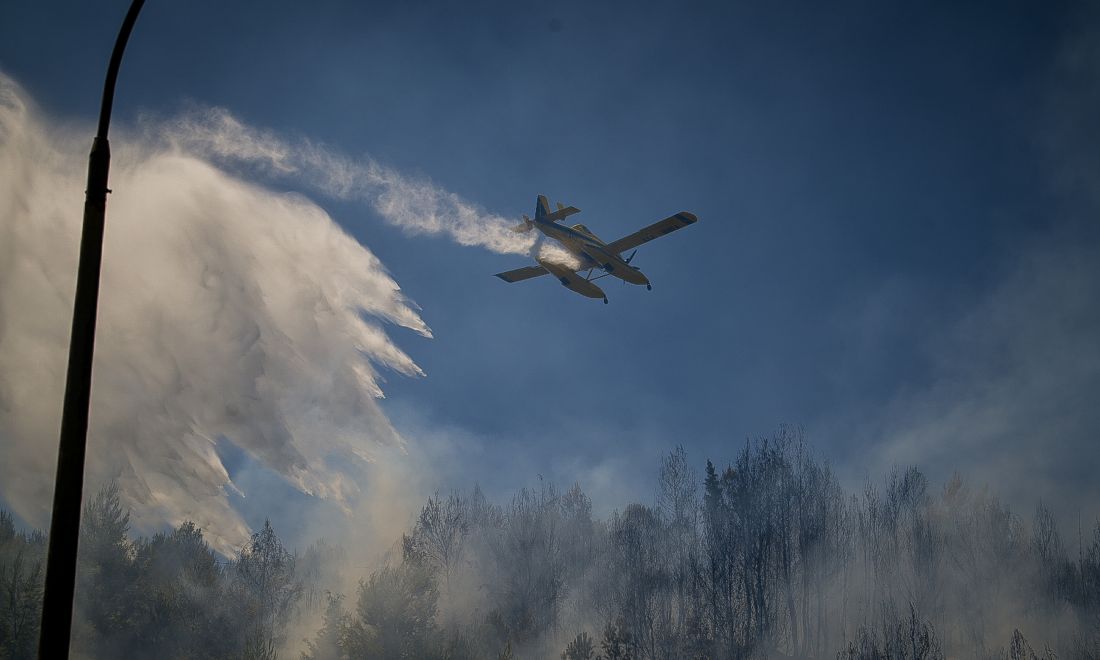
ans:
(582, 229)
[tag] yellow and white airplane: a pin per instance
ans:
(590, 252)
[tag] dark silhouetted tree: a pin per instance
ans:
(21, 579)
(581, 648)
(268, 588)
(395, 615)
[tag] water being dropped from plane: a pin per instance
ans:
(416, 205)
(228, 312)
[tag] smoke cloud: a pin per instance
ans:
(228, 312)
(1015, 375)
(1009, 401)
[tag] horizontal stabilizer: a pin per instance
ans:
(560, 214)
(523, 227)
(520, 274)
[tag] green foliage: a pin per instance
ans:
(259, 645)
(166, 596)
(899, 638)
(332, 638)
(440, 531)
(181, 608)
(22, 573)
(7, 528)
(766, 557)
(319, 570)
(395, 615)
(617, 642)
(267, 586)
(459, 646)
(106, 577)
(1019, 649)
(528, 567)
(581, 648)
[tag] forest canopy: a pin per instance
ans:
(765, 556)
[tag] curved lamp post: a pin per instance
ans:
(57, 604)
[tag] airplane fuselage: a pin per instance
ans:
(591, 251)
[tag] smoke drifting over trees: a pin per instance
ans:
(764, 556)
(758, 553)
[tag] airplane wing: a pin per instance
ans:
(520, 274)
(655, 230)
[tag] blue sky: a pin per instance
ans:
(869, 178)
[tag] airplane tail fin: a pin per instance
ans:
(542, 207)
(543, 213)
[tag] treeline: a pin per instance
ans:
(767, 556)
(166, 596)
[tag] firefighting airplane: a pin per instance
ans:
(590, 252)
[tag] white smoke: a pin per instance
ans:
(226, 311)
(415, 205)
(1009, 404)
(1016, 375)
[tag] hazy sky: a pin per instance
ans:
(897, 205)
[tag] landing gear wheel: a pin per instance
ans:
(649, 287)
(605, 301)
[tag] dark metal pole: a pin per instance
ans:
(57, 603)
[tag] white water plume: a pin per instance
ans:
(556, 254)
(415, 205)
(227, 312)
